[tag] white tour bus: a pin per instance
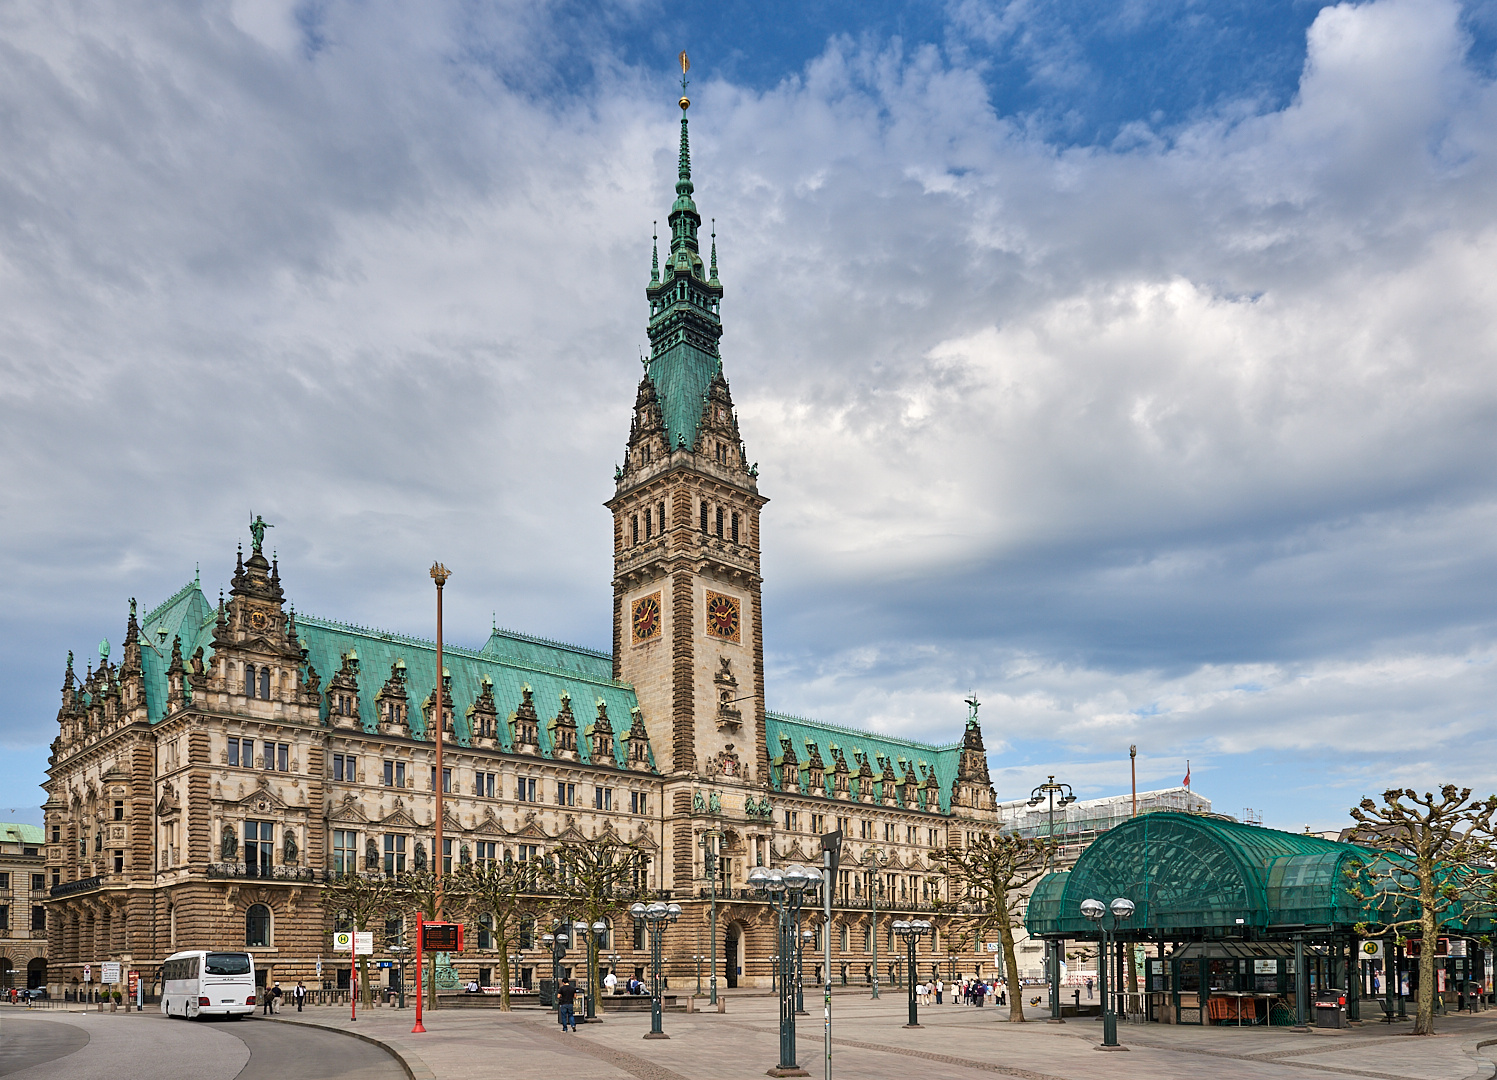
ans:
(203, 983)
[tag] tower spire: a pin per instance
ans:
(654, 253)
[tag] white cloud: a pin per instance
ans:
(1097, 429)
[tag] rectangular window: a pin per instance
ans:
(259, 837)
(818, 823)
(525, 789)
(446, 779)
(842, 941)
(705, 513)
(4, 880)
(485, 852)
(639, 802)
(566, 794)
(394, 774)
(485, 784)
(339, 763)
(792, 820)
(394, 854)
(56, 878)
(345, 851)
(119, 809)
(56, 834)
(267, 757)
(446, 855)
(38, 882)
(602, 798)
(282, 756)
(735, 528)
(234, 751)
(119, 862)
(639, 934)
(527, 852)
(4, 916)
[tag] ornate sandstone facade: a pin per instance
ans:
(204, 786)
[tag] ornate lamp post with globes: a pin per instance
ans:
(556, 943)
(786, 889)
(655, 916)
(1107, 919)
(912, 931)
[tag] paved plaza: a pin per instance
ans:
(869, 1041)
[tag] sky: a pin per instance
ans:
(1130, 364)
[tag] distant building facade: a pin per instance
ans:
(203, 786)
(23, 913)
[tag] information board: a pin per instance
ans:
(363, 943)
(442, 937)
(109, 971)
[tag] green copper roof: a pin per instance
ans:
(802, 733)
(510, 660)
(14, 832)
(1190, 872)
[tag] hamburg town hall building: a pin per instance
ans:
(232, 756)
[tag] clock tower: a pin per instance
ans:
(686, 585)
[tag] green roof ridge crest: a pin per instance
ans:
(169, 601)
(864, 732)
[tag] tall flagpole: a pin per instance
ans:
(439, 574)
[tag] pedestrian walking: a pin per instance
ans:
(610, 983)
(299, 995)
(566, 1002)
(275, 998)
(940, 986)
(265, 1002)
(1088, 988)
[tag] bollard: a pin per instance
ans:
(722, 1003)
(690, 1004)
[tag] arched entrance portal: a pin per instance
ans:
(36, 973)
(733, 954)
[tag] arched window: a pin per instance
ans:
(705, 527)
(265, 683)
(257, 926)
(649, 530)
(719, 522)
(249, 680)
(661, 518)
(735, 528)
(634, 529)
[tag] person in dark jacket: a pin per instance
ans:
(566, 1002)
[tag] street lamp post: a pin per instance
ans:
(401, 952)
(912, 931)
(1049, 790)
(698, 957)
(871, 859)
(655, 916)
(593, 936)
(557, 943)
(1107, 919)
(786, 890)
(709, 863)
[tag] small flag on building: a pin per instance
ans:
(1187, 774)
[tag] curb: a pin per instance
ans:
(413, 1066)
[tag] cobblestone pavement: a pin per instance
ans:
(869, 1041)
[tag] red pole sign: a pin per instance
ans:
(418, 1027)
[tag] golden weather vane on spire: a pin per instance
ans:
(685, 101)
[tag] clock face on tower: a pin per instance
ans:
(645, 617)
(723, 617)
(258, 620)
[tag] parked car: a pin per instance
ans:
(35, 993)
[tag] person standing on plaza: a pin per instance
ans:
(265, 1002)
(1088, 988)
(566, 1002)
(610, 981)
(275, 998)
(940, 987)
(299, 995)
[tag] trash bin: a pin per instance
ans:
(1330, 1009)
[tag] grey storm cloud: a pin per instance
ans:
(1159, 441)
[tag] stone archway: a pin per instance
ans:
(7, 973)
(36, 973)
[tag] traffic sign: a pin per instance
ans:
(993, 946)
(1372, 949)
(88, 973)
(343, 941)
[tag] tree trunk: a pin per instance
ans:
(1010, 964)
(1424, 1020)
(503, 974)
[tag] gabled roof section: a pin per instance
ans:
(943, 760)
(512, 661)
(186, 614)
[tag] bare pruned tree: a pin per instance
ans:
(988, 874)
(594, 881)
(360, 899)
(1432, 871)
(509, 894)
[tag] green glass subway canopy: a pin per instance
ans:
(1193, 876)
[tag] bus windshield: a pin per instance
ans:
(228, 963)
